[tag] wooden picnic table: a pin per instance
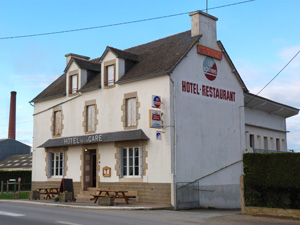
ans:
(49, 191)
(112, 194)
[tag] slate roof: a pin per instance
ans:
(17, 162)
(159, 57)
(121, 54)
(84, 64)
(152, 59)
(54, 90)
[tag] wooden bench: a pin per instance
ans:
(111, 194)
(49, 192)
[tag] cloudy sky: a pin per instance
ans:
(260, 36)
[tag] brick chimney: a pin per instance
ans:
(12, 116)
(205, 25)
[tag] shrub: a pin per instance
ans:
(272, 180)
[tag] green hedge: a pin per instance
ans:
(272, 180)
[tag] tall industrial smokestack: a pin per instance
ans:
(12, 116)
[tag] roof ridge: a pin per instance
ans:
(84, 60)
(123, 51)
(156, 40)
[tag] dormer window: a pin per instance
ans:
(73, 84)
(109, 73)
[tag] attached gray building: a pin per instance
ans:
(9, 147)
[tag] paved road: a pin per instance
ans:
(25, 214)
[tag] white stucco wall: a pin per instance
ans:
(208, 130)
(109, 102)
(263, 119)
(265, 125)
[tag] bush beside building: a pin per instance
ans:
(272, 180)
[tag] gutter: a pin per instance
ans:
(79, 94)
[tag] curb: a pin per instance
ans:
(84, 207)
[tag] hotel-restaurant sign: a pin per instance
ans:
(96, 138)
(82, 139)
(209, 52)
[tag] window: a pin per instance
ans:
(110, 75)
(251, 140)
(131, 112)
(266, 143)
(73, 87)
(56, 164)
(90, 118)
(277, 144)
(131, 162)
(258, 142)
(57, 123)
(272, 144)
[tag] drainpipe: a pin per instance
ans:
(173, 151)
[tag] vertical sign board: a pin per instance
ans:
(155, 119)
(67, 185)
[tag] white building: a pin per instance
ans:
(98, 123)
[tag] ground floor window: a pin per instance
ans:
(55, 164)
(131, 162)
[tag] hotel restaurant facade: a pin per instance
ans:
(150, 117)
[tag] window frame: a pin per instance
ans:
(71, 82)
(93, 120)
(124, 107)
(134, 166)
(109, 83)
(131, 112)
(55, 123)
(56, 171)
(107, 65)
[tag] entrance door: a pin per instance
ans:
(90, 167)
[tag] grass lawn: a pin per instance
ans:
(23, 195)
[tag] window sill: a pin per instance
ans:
(131, 179)
(130, 128)
(90, 132)
(56, 136)
(110, 86)
(74, 94)
(55, 178)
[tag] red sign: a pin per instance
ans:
(210, 68)
(209, 52)
(156, 117)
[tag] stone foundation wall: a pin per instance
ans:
(159, 193)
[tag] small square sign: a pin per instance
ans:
(158, 135)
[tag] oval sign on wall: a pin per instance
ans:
(210, 68)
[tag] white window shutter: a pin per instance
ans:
(49, 164)
(121, 162)
(131, 112)
(57, 124)
(110, 75)
(63, 164)
(74, 84)
(91, 118)
(141, 161)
